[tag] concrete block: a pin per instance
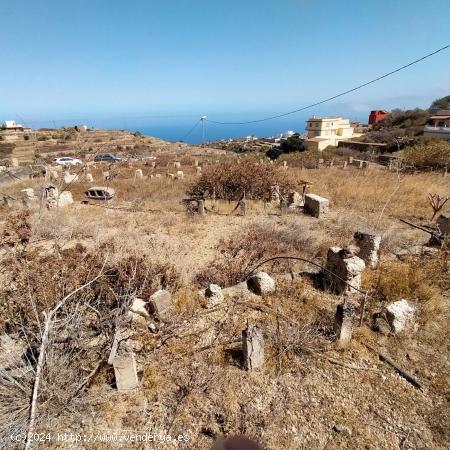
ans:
(125, 372)
(343, 271)
(253, 347)
(160, 303)
(315, 205)
(443, 222)
(369, 247)
(343, 323)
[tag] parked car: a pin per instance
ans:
(108, 157)
(67, 161)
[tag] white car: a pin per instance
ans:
(67, 161)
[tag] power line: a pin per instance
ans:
(337, 95)
(191, 130)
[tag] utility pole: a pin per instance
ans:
(203, 118)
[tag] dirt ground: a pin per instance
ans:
(310, 394)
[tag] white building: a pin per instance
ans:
(12, 125)
(438, 125)
(325, 131)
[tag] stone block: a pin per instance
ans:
(138, 174)
(443, 223)
(125, 372)
(261, 283)
(369, 247)
(89, 178)
(400, 315)
(294, 199)
(315, 205)
(160, 303)
(343, 271)
(65, 199)
(253, 347)
(343, 323)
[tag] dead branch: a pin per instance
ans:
(42, 351)
(406, 375)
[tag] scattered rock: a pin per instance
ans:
(339, 428)
(261, 283)
(214, 295)
(400, 315)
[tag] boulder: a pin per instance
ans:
(261, 283)
(400, 315)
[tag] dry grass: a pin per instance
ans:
(191, 376)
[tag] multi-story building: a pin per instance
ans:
(325, 131)
(438, 125)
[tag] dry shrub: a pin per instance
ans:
(228, 181)
(416, 278)
(17, 229)
(239, 254)
(37, 282)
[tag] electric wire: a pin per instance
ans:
(334, 96)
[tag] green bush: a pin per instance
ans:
(428, 153)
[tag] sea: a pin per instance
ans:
(189, 129)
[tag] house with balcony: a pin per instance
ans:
(325, 131)
(438, 125)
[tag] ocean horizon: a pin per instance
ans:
(175, 129)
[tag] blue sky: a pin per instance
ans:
(227, 58)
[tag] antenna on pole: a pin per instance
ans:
(203, 118)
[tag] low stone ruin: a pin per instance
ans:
(179, 175)
(400, 315)
(138, 174)
(369, 247)
(253, 347)
(315, 205)
(343, 323)
(343, 271)
(261, 283)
